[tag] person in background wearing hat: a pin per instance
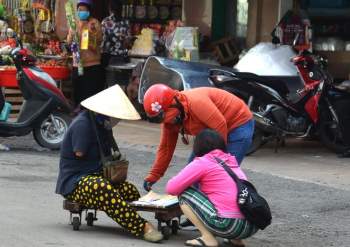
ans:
(80, 177)
(90, 34)
(116, 35)
(188, 113)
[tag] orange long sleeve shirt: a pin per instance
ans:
(204, 108)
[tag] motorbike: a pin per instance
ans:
(45, 110)
(310, 105)
(319, 108)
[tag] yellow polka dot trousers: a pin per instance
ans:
(94, 191)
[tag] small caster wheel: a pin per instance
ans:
(90, 219)
(76, 223)
(174, 226)
(166, 231)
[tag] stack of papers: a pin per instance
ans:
(157, 200)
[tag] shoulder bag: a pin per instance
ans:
(115, 166)
(253, 206)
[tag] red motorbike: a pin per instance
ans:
(44, 111)
(320, 108)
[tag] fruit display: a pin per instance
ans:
(52, 62)
(6, 60)
(8, 42)
(53, 48)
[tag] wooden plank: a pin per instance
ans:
(12, 90)
(16, 107)
(15, 98)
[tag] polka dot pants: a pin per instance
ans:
(96, 192)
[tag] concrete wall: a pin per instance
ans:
(262, 18)
(284, 6)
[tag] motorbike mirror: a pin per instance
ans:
(296, 39)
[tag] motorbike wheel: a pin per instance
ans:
(258, 141)
(329, 131)
(47, 135)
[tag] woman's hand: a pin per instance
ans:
(148, 185)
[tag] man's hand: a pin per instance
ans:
(147, 185)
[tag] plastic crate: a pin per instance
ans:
(57, 72)
(8, 77)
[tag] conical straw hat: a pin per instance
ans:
(112, 102)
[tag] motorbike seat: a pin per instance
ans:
(344, 86)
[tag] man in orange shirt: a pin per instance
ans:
(188, 113)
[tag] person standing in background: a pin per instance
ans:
(90, 36)
(116, 35)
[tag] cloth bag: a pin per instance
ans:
(115, 166)
(253, 206)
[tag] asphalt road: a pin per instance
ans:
(310, 207)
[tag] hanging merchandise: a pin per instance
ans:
(41, 4)
(2, 11)
(46, 26)
(28, 23)
(70, 13)
(152, 10)
(60, 20)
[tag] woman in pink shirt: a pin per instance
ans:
(213, 209)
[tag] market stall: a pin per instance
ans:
(151, 25)
(40, 26)
(156, 28)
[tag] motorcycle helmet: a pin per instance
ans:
(158, 98)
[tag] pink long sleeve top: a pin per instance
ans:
(214, 182)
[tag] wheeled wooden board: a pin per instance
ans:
(76, 211)
(170, 216)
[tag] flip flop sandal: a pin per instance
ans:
(201, 243)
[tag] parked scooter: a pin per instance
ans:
(44, 111)
(319, 108)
